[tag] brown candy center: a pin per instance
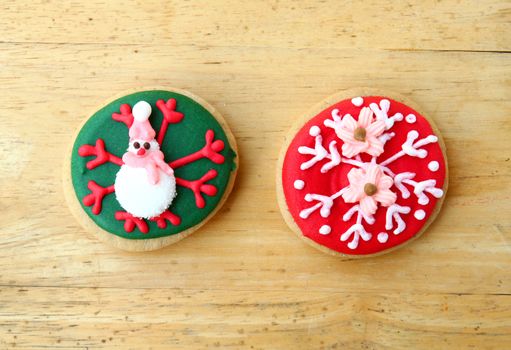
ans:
(370, 189)
(360, 134)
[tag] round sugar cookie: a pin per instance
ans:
(149, 168)
(362, 173)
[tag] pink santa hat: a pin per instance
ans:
(141, 129)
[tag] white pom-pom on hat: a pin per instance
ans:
(141, 111)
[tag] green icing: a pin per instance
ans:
(182, 139)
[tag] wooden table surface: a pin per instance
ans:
(244, 280)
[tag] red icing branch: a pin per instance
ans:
(199, 186)
(210, 151)
(131, 221)
(170, 116)
(102, 156)
(161, 220)
(95, 198)
(125, 116)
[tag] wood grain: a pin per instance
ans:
(244, 281)
(108, 318)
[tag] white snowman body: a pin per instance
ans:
(139, 197)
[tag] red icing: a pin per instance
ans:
(102, 156)
(170, 116)
(167, 215)
(95, 198)
(199, 186)
(125, 116)
(335, 179)
(130, 222)
(210, 151)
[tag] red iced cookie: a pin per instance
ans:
(362, 175)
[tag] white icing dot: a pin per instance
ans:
(411, 118)
(357, 101)
(314, 130)
(325, 230)
(383, 237)
(433, 166)
(419, 214)
(299, 184)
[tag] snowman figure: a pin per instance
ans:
(145, 185)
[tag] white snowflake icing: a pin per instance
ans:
(329, 157)
(314, 130)
(319, 153)
(381, 112)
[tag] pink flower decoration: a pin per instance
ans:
(361, 135)
(369, 186)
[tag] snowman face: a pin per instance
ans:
(141, 148)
